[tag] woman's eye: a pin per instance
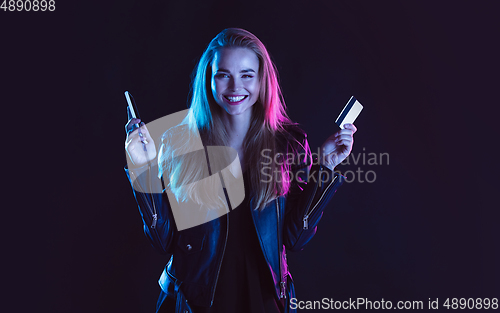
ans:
(247, 76)
(222, 76)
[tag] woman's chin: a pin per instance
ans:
(237, 110)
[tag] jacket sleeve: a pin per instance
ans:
(313, 186)
(159, 224)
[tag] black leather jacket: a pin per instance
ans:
(287, 223)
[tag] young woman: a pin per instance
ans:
(237, 261)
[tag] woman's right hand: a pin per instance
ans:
(134, 143)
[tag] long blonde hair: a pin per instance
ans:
(269, 118)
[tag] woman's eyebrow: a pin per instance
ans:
(248, 70)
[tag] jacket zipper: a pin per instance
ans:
(152, 211)
(153, 214)
(306, 216)
(282, 283)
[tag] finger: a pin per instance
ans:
(143, 131)
(347, 137)
(146, 130)
(351, 127)
(144, 134)
(132, 125)
(343, 132)
(344, 142)
(136, 141)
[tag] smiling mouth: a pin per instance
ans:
(235, 98)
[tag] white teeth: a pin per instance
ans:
(235, 99)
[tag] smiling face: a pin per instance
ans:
(235, 80)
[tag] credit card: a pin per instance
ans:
(349, 113)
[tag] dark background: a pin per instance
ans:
(425, 71)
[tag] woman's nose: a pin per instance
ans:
(234, 84)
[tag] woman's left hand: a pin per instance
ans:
(338, 146)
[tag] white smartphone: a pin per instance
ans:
(134, 113)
